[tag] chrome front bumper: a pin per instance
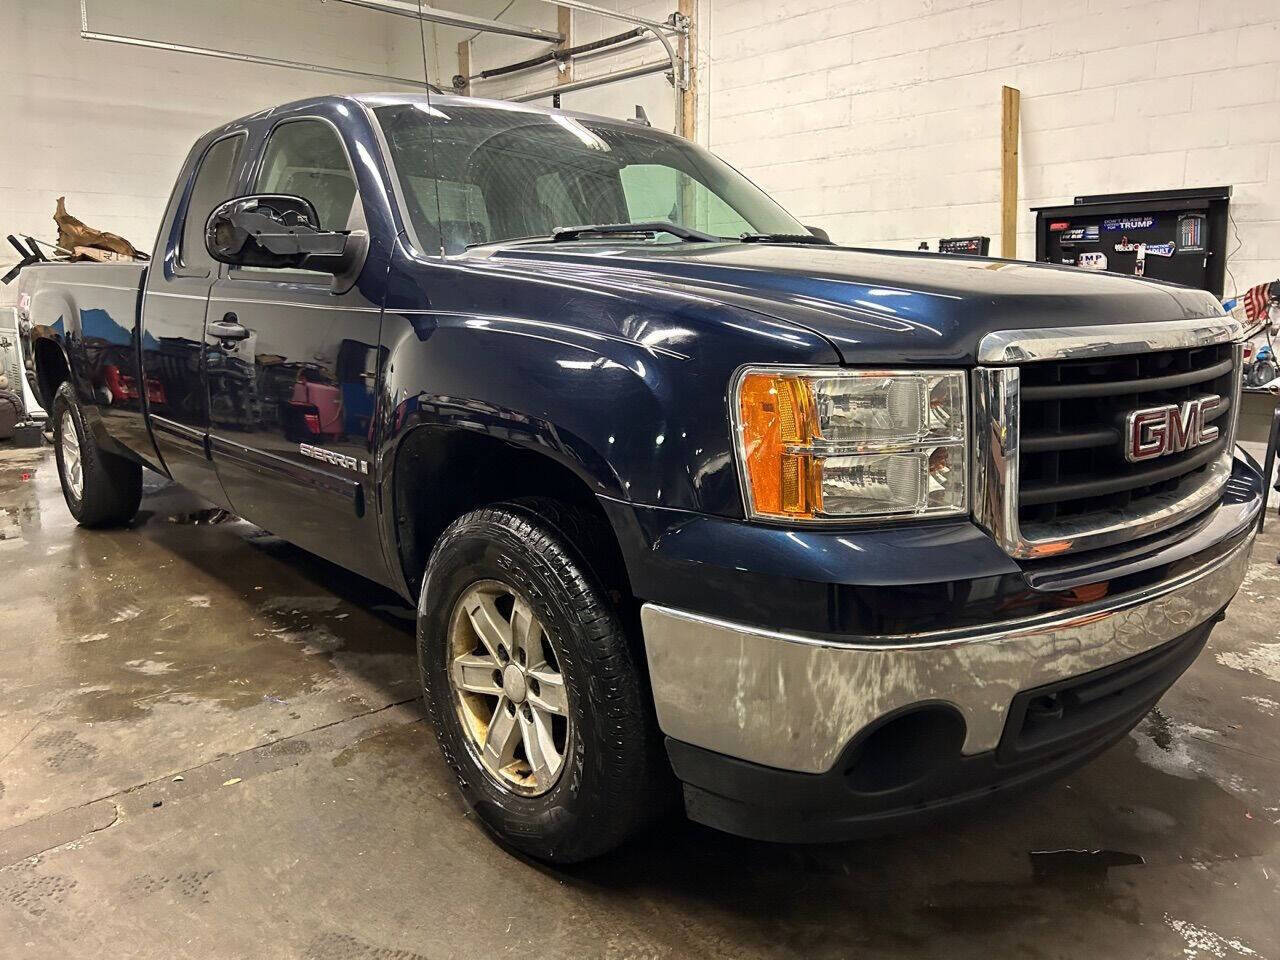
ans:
(795, 703)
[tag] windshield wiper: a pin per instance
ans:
(647, 226)
(784, 238)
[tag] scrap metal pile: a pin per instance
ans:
(76, 242)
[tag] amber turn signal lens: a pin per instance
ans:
(776, 413)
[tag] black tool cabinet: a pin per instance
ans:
(1183, 234)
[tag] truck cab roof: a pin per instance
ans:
(427, 102)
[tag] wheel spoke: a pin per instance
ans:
(526, 632)
(502, 737)
(475, 674)
(72, 463)
(550, 697)
(491, 627)
(539, 747)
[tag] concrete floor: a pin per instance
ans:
(210, 746)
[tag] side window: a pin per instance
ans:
(305, 159)
(211, 187)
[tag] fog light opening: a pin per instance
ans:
(906, 748)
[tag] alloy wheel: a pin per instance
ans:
(508, 688)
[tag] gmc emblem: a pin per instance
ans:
(1158, 431)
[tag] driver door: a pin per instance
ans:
(293, 442)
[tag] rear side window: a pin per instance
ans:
(211, 187)
(305, 158)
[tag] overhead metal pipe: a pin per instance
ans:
(251, 58)
(659, 29)
(614, 14)
(452, 18)
(556, 56)
(87, 34)
(600, 81)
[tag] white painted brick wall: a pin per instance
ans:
(898, 142)
(877, 119)
(108, 125)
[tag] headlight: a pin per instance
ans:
(835, 444)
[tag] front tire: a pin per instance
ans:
(534, 690)
(102, 489)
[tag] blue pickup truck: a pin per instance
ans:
(692, 501)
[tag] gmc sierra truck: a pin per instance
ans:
(690, 498)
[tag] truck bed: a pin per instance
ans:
(97, 301)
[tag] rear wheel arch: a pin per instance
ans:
(52, 369)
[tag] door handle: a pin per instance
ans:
(228, 330)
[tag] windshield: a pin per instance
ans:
(504, 173)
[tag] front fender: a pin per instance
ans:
(628, 389)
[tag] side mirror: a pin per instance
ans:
(818, 232)
(283, 232)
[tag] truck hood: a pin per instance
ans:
(874, 306)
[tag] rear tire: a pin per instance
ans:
(102, 489)
(607, 777)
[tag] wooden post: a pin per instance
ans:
(564, 26)
(689, 53)
(464, 66)
(1010, 103)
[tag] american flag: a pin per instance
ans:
(1256, 301)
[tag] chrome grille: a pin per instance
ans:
(1071, 457)
(1050, 473)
